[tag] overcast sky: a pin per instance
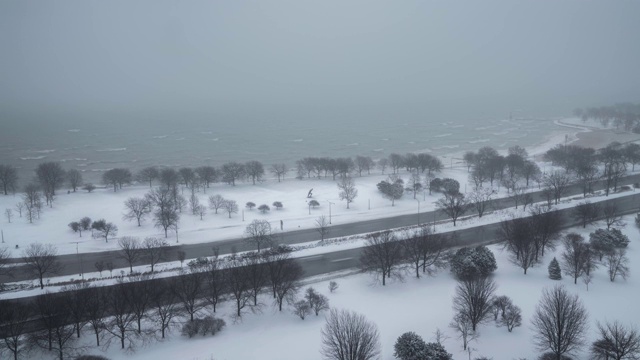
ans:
(410, 58)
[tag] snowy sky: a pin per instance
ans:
(158, 57)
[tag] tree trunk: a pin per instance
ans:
(97, 339)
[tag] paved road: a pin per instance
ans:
(73, 265)
(486, 234)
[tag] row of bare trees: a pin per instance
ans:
(385, 255)
(141, 307)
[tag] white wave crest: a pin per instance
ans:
(32, 157)
(112, 149)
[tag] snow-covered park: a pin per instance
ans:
(419, 305)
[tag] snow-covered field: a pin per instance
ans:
(104, 203)
(419, 305)
(422, 305)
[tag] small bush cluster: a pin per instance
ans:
(203, 326)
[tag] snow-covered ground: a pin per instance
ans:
(414, 305)
(420, 305)
(104, 203)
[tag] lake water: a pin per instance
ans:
(96, 147)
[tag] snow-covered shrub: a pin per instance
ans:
(333, 286)
(604, 241)
(203, 326)
(435, 351)
(471, 262)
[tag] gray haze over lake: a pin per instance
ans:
(120, 83)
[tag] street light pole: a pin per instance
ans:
(79, 260)
(330, 203)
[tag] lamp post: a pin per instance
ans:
(330, 203)
(418, 200)
(79, 260)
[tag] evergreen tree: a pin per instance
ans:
(435, 351)
(410, 346)
(554, 270)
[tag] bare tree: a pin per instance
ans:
(557, 183)
(216, 202)
(51, 176)
(201, 210)
(301, 308)
(166, 218)
(254, 170)
(288, 280)
(19, 207)
(473, 299)
(8, 213)
(8, 178)
(137, 208)
(363, 163)
(194, 203)
(381, 255)
(317, 301)
(75, 179)
(231, 207)
(480, 200)
(463, 327)
(279, 170)
(231, 172)
(560, 322)
(96, 306)
(89, 187)
(575, 256)
(32, 201)
(215, 280)
(454, 205)
(256, 276)
(104, 229)
(139, 292)
(154, 250)
(14, 317)
(617, 263)
(586, 212)
(258, 233)
(616, 341)
(130, 250)
(5, 270)
(165, 307)
(121, 324)
(239, 287)
(99, 265)
(76, 304)
(546, 226)
(148, 174)
(611, 215)
(41, 260)
(57, 324)
(188, 290)
(382, 164)
(349, 336)
(424, 250)
(333, 286)
(348, 191)
(117, 178)
(511, 317)
(181, 256)
(322, 227)
(518, 238)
